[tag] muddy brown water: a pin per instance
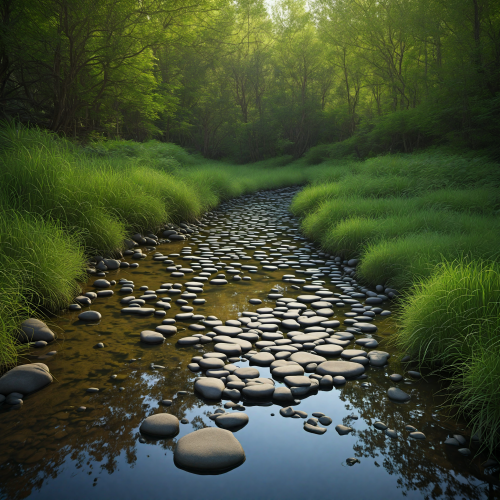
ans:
(50, 450)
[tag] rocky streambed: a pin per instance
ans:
(229, 357)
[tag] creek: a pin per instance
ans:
(50, 449)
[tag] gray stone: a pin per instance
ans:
(328, 350)
(287, 411)
(89, 316)
(166, 329)
(338, 380)
(314, 429)
(282, 394)
(209, 450)
(101, 283)
(297, 381)
(452, 441)
(186, 340)
(345, 368)
(33, 330)
(343, 429)
(290, 369)
(380, 426)
(228, 349)
(417, 435)
(465, 452)
(245, 373)
(324, 420)
(25, 379)
(232, 420)
(304, 358)
(398, 395)
(262, 359)
(396, 377)
(391, 433)
(152, 337)
(258, 391)
(211, 363)
(209, 388)
(160, 425)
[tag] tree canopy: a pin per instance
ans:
(236, 78)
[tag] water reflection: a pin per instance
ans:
(51, 446)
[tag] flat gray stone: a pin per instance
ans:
(188, 340)
(262, 359)
(89, 316)
(33, 330)
(328, 350)
(288, 370)
(229, 350)
(101, 283)
(232, 420)
(297, 381)
(345, 368)
(244, 373)
(209, 450)
(417, 435)
(209, 388)
(25, 379)
(160, 425)
(258, 391)
(304, 358)
(166, 329)
(230, 331)
(283, 394)
(314, 429)
(152, 337)
(366, 327)
(211, 363)
(398, 395)
(343, 429)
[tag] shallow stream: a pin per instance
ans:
(49, 449)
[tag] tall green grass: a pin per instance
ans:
(451, 321)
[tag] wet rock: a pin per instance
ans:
(417, 435)
(346, 369)
(25, 379)
(325, 420)
(314, 429)
(351, 461)
(209, 450)
(391, 433)
(101, 283)
(209, 388)
(33, 330)
(304, 358)
(343, 429)
(151, 337)
(89, 316)
(246, 373)
(414, 374)
(160, 425)
(262, 359)
(263, 391)
(465, 452)
(232, 421)
(380, 426)
(398, 395)
(396, 377)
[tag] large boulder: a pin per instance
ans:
(209, 450)
(33, 330)
(25, 379)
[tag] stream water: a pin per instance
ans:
(49, 449)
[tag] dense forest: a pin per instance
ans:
(246, 80)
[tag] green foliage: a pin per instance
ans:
(451, 322)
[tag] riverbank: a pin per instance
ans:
(427, 225)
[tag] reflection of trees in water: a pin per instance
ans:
(108, 429)
(418, 465)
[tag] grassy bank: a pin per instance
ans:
(428, 225)
(61, 203)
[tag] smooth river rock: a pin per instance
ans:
(25, 379)
(209, 388)
(209, 450)
(232, 421)
(33, 330)
(160, 425)
(398, 395)
(345, 368)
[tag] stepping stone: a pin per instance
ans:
(209, 450)
(258, 391)
(247, 373)
(398, 395)
(352, 353)
(304, 358)
(307, 299)
(288, 370)
(209, 388)
(166, 329)
(232, 421)
(328, 350)
(230, 331)
(152, 337)
(345, 368)
(262, 359)
(343, 429)
(160, 425)
(365, 327)
(314, 429)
